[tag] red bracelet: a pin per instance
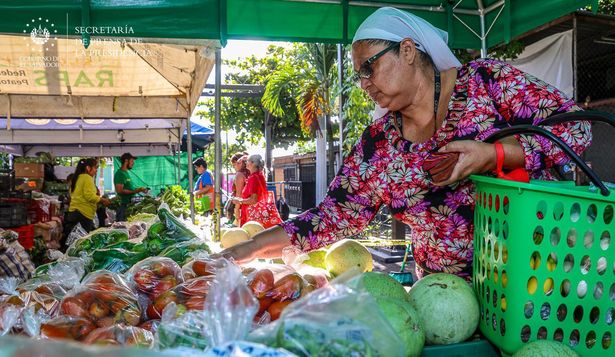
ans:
(518, 174)
(499, 158)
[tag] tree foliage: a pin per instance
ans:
(246, 116)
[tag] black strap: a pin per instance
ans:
(436, 102)
(436, 98)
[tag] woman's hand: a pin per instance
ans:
(241, 253)
(105, 201)
(267, 244)
(475, 157)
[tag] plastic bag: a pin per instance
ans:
(332, 321)
(67, 271)
(75, 234)
(188, 330)
(201, 265)
(189, 295)
(118, 257)
(176, 228)
(244, 349)
(67, 327)
(100, 238)
(230, 306)
(121, 335)
(182, 252)
(153, 276)
(104, 298)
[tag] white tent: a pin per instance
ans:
(117, 95)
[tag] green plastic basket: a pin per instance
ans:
(544, 265)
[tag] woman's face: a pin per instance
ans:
(237, 165)
(391, 82)
(251, 166)
(91, 170)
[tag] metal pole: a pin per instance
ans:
(179, 162)
(483, 37)
(190, 168)
(574, 57)
(340, 66)
(218, 148)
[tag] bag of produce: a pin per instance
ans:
(230, 306)
(120, 335)
(182, 252)
(186, 331)
(67, 271)
(201, 265)
(189, 295)
(332, 321)
(100, 238)
(153, 276)
(119, 257)
(105, 299)
(67, 327)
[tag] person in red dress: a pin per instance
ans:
(255, 202)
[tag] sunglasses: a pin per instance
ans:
(366, 71)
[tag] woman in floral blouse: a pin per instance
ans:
(434, 104)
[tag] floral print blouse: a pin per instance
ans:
(384, 168)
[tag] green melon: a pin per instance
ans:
(405, 322)
(316, 258)
(447, 307)
(379, 285)
(347, 254)
(544, 348)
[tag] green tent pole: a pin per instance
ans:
(218, 145)
(190, 168)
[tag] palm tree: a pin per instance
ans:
(311, 80)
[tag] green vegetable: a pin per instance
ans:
(117, 259)
(181, 252)
(142, 217)
(175, 229)
(97, 239)
(186, 331)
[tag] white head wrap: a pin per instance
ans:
(391, 24)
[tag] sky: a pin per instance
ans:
(236, 49)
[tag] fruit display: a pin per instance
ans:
(447, 308)
(105, 299)
(153, 276)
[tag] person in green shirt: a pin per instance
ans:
(84, 198)
(124, 186)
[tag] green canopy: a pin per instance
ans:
(330, 21)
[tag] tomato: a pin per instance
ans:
(74, 328)
(164, 299)
(164, 268)
(166, 283)
(287, 288)
(73, 306)
(263, 304)
(261, 282)
(195, 303)
(98, 310)
(105, 321)
(144, 280)
(152, 313)
(197, 286)
(151, 325)
(276, 308)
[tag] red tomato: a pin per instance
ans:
(261, 282)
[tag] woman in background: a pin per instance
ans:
(84, 197)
